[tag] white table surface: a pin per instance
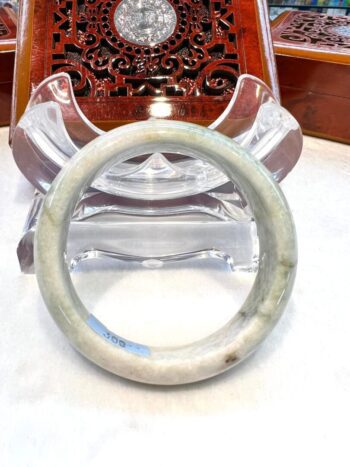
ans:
(287, 405)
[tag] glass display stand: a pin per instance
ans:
(199, 227)
(186, 204)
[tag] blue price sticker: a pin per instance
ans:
(115, 340)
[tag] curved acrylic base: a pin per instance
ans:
(196, 227)
(53, 129)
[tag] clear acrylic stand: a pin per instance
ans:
(201, 226)
(154, 208)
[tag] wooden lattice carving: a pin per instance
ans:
(315, 31)
(201, 57)
(193, 69)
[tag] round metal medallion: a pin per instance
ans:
(342, 30)
(145, 22)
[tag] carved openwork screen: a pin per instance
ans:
(125, 56)
(320, 32)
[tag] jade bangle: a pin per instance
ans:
(247, 328)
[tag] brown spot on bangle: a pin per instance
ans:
(232, 358)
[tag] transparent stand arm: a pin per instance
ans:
(53, 129)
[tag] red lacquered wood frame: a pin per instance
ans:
(313, 61)
(192, 74)
(8, 22)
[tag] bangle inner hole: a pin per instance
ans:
(166, 279)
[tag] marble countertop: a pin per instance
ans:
(286, 405)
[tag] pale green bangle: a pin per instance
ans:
(257, 316)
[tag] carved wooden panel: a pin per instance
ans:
(191, 60)
(7, 25)
(313, 59)
(203, 55)
(4, 31)
(314, 31)
(7, 55)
